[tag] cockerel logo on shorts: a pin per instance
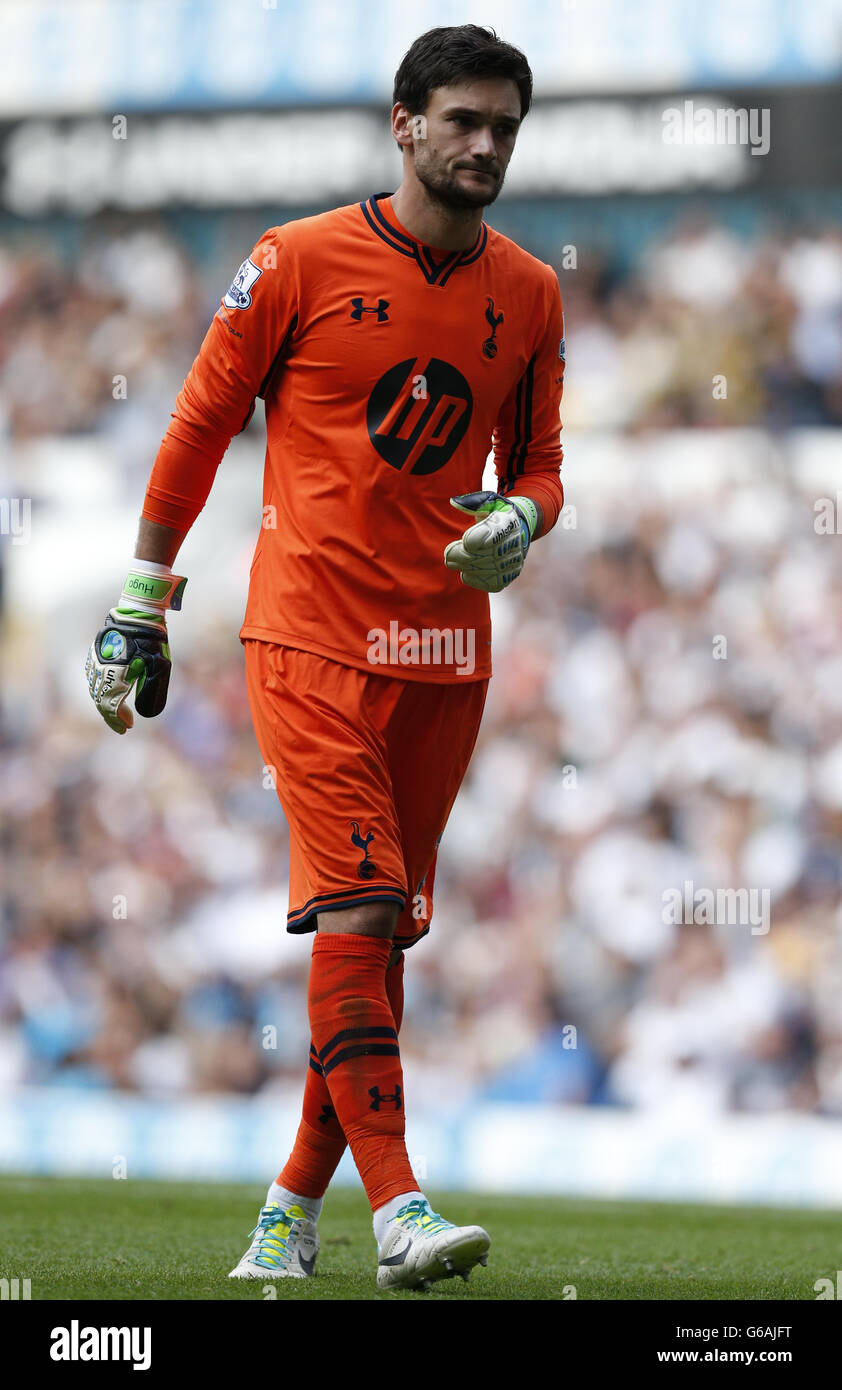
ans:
(366, 867)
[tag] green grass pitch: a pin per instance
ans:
(92, 1239)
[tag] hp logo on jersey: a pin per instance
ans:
(419, 428)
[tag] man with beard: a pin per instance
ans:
(394, 342)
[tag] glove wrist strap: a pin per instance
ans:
(528, 511)
(152, 588)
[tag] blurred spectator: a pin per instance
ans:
(765, 314)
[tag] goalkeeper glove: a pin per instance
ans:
(132, 649)
(491, 553)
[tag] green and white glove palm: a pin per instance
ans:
(491, 553)
(132, 650)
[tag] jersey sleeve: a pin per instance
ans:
(526, 442)
(241, 352)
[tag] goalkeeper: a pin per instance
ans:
(392, 341)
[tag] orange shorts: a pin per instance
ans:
(367, 768)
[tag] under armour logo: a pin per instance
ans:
(378, 1100)
(379, 309)
(328, 1113)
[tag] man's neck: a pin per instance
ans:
(433, 224)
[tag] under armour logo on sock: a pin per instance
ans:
(378, 1099)
(328, 1113)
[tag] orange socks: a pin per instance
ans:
(394, 991)
(320, 1141)
(356, 1039)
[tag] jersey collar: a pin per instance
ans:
(436, 271)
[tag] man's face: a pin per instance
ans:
(464, 140)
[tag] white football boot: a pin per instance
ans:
(420, 1246)
(285, 1246)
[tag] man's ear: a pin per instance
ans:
(401, 126)
(407, 127)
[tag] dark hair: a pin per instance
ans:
(462, 52)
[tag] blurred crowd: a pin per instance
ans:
(625, 750)
(762, 316)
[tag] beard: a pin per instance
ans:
(443, 183)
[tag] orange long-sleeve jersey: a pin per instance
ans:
(387, 369)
